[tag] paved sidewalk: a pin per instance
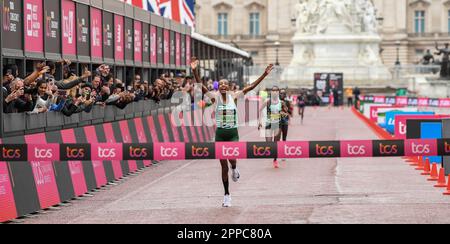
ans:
(302, 191)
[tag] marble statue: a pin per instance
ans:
(338, 36)
(315, 16)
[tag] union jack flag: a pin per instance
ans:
(181, 11)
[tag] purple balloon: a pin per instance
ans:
(216, 85)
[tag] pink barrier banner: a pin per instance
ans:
(43, 172)
(178, 49)
(164, 128)
(169, 151)
(126, 138)
(33, 26)
(44, 152)
(153, 45)
(351, 149)
(69, 44)
(96, 33)
(141, 136)
(119, 37)
(166, 47)
(108, 151)
(231, 150)
(409, 101)
(421, 147)
(238, 150)
(188, 119)
(109, 133)
(423, 102)
(185, 130)
(293, 150)
(45, 180)
(176, 135)
(99, 169)
(188, 50)
(379, 99)
(197, 123)
(7, 203)
(137, 41)
(401, 101)
(151, 124)
(444, 103)
(75, 167)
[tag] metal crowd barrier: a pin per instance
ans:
(17, 124)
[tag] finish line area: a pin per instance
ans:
(314, 190)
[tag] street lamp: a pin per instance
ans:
(397, 44)
(277, 46)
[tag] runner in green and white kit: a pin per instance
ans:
(275, 118)
(227, 120)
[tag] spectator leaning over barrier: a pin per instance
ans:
(158, 91)
(96, 82)
(115, 94)
(73, 80)
(43, 99)
(104, 71)
(146, 87)
(17, 101)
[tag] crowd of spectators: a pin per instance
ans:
(40, 92)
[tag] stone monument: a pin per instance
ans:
(338, 36)
(445, 52)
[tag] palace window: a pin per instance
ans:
(419, 22)
(222, 24)
(254, 24)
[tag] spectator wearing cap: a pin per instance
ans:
(179, 79)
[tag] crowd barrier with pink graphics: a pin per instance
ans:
(87, 178)
(408, 101)
(37, 173)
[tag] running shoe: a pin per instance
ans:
(236, 175)
(275, 164)
(226, 201)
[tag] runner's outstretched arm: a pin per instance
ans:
(194, 65)
(259, 80)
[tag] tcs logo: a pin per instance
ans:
(230, 151)
(43, 153)
(356, 150)
(261, 151)
(420, 148)
(402, 128)
(374, 113)
(293, 151)
(169, 152)
(106, 152)
(74, 153)
(137, 152)
(8, 153)
(446, 147)
(200, 151)
(388, 149)
(324, 150)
